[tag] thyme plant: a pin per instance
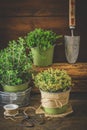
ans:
(15, 64)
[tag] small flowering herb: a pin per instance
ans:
(52, 80)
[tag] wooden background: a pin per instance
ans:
(17, 17)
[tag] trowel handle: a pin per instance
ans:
(72, 14)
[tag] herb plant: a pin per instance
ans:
(15, 64)
(43, 39)
(52, 80)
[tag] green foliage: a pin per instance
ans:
(52, 80)
(15, 64)
(43, 39)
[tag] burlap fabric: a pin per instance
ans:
(54, 100)
(40, 110)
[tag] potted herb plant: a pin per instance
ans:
(42, 44)
(54, 85)
(15, 66)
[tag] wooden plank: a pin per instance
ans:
(75, 121)
(29, 23)
(76, 71)
(79, 86)
(33, 8)
(13, 27)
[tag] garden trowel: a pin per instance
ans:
(72, 42)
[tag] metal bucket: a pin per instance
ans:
(19, 98)
(72, 48)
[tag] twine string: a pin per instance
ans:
(9, 114)
(49, 100)
(51, 103)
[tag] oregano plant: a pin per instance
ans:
(41, 38)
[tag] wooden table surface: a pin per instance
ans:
(75, 121)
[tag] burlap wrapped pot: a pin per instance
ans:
(56, 102)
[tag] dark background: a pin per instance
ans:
(17, 17)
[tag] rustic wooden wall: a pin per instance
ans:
(17, 17)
